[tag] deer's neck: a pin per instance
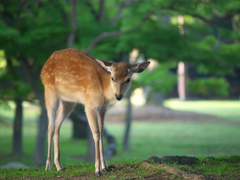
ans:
(107, 88)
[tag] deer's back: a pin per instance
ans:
(72, 71)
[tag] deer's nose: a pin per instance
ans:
(118, 97)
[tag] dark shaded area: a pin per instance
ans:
(17, 128)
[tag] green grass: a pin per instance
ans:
(147, 139)
(128, 170)
(196, 138)
(223, 166)
(40, 172)
(230, 110)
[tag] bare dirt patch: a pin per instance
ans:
(157, 114)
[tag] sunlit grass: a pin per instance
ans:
(41, 173)
(225, 109)
(191, 139)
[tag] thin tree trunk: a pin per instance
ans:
(17, 128)
(128, 123)
(80, 123)
(101, 10)
(128, 118)
(40, 148)
(72, 34)
(111, 149)
(79, 129)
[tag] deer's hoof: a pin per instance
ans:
(99, 173)
(62, 169)
(48, 167)
(106, 170)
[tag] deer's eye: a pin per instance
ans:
(112, 79)
(128, 80)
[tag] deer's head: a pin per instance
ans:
(121, 74)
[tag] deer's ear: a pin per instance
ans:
(140, 67)
(105, 64)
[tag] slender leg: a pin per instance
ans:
(64, 109)
(101, 114)
(93, 123)
(51, 100)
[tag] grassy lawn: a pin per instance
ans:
(207, 138)
(192, 139)
(213, 168)
(230, 110)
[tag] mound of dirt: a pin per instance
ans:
(156, 162)
(155, 113)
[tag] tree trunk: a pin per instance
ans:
(17, 128)
(128, 122)
(101, 10)
(79, 130)
(128, 118)
(72, 34)
(111, 149)
(40, 147)
(80, 123)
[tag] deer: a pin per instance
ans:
(72, 76)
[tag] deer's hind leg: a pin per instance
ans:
(64, 109)
(51, 100)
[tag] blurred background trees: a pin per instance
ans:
(30, 30)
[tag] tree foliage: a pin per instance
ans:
(160, 79)
(208, 87)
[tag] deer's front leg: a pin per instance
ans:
(101, 114)
(93, 123)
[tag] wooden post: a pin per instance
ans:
(182, 81)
